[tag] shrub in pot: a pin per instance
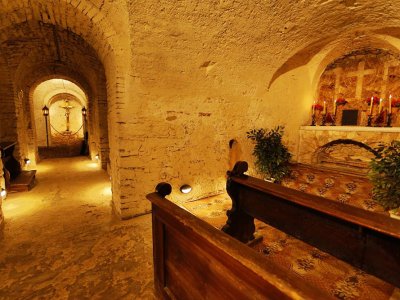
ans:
(385, 175)
(272, 156)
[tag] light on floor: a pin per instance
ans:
(186, 189)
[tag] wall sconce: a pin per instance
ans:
(27, 161)
(97, 156)
(3, 193)
(185, 189)
(45, 111)
(84, 111)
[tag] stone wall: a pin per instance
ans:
(170, 83)
(356, 77)
(2, 186)
(313, 142)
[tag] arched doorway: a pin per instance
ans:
(60, 112)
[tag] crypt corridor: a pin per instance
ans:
(151, 91)
(62, 241)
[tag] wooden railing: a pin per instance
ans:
(193, 260)
(367, 240)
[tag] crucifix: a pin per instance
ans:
(67, 108)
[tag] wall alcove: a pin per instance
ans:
(349, 82)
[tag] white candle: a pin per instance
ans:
(380, 106)
(371, 105)
(390, 104)
(334, 107)
(313, 108)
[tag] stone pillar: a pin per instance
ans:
(2, 185)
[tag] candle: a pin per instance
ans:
(334, 107)
(371, 105)
(380, 106)
(324, 111)
(313, 108)
(390, 104)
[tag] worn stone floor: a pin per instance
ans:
(61, 241)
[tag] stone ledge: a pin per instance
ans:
(350, 128)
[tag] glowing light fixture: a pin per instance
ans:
(84, 111)
(185, 189)
(27, 161)
(45, 111)
(97, 156)
(3, 193)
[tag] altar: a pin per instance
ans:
(347, 148)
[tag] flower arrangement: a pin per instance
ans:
(375, 100)
(396, 103)
(317, 107)
(341, 101)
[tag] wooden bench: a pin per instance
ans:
(16, 179)
(193, 260)
(366, 240)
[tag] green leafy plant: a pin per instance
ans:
(272, 156)
(385, 175)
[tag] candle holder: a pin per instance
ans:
(313, 120)
(330, 119)
(323, 123)
(369, 124)
(389, 120)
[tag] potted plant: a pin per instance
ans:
(272, 156)
(385, 176)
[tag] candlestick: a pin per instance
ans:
(380, 106)
(389, 120)
(313, 120)
(369, 120)
(371, 105)
(323, 123)
(390, 104)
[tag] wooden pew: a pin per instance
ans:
(194, 260)
(367, 240)
(16, 179)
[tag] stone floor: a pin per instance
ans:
(61, 240)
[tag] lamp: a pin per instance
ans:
(84, 111)
(45, 111)
(3, 193)
(185, 189)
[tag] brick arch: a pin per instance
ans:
(83, 18)
(350, 43)
(37, 74)
(345, 154)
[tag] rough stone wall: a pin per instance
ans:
(8, 119)
(206, 72)
(311, 141)
(183, 78)
(357, 76)
(2, 185)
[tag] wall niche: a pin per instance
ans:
(356, 77)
